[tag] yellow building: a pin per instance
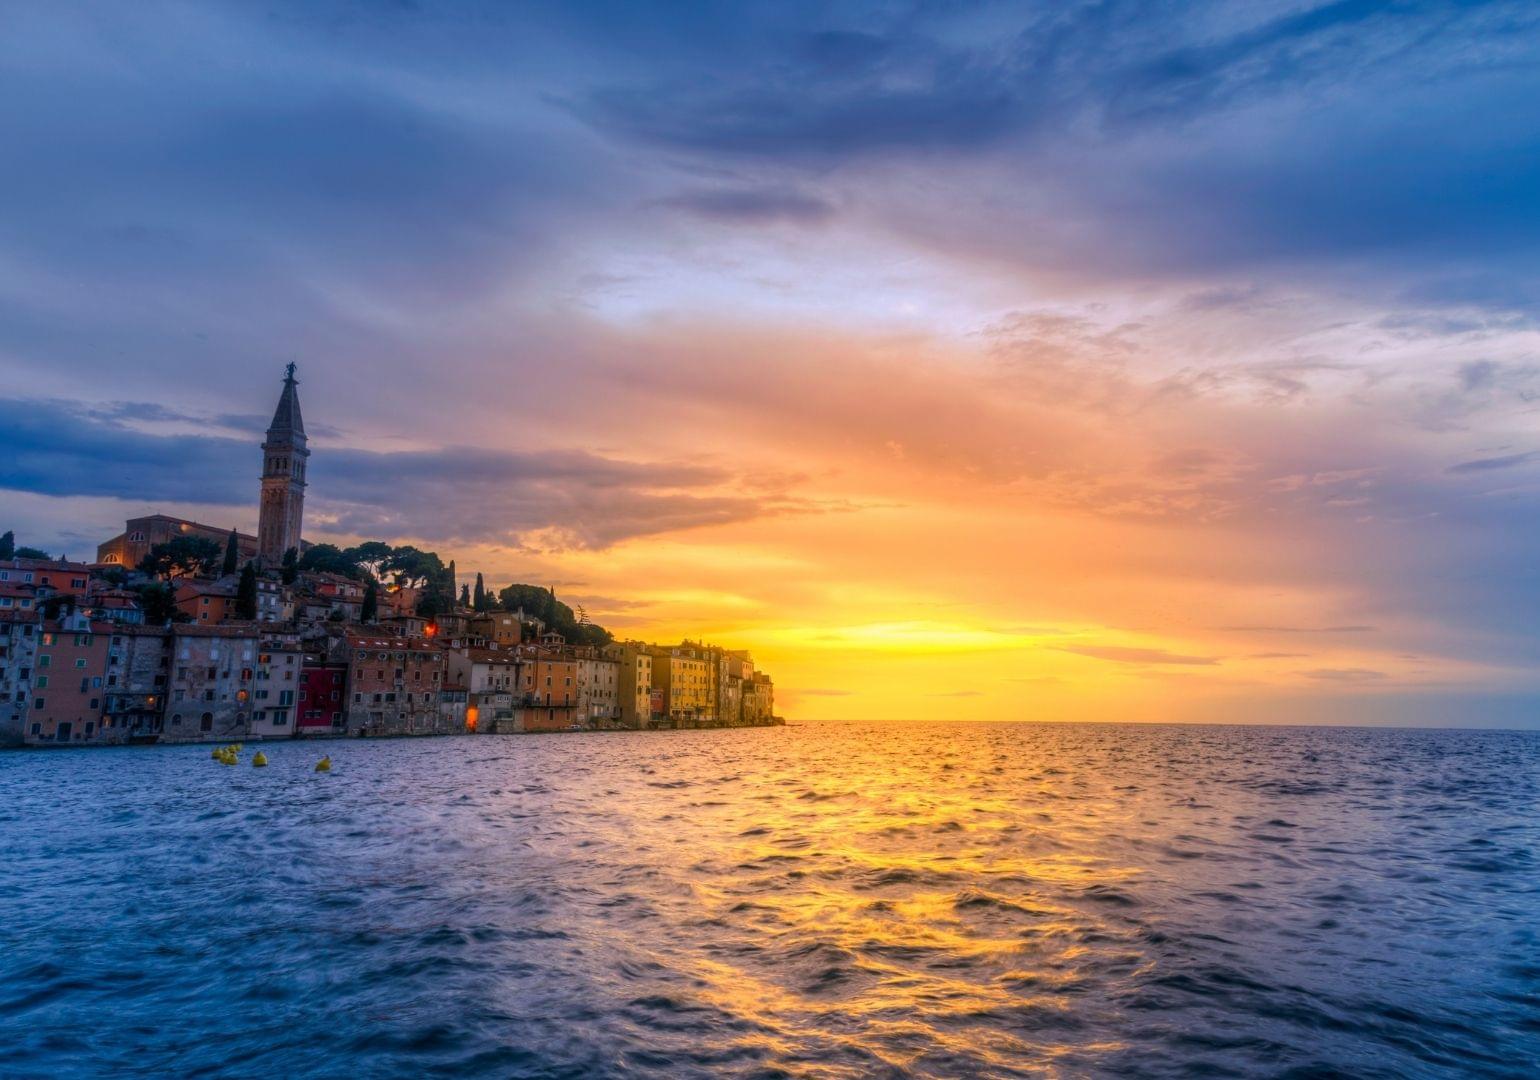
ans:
(684, 675)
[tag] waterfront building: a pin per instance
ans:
(598, 689)
(275, 693)
(683, 674)
(213, 675)
(138, 676)
(393, 684)
(284, 454)
(69, 678)
(633, 691)
(491, 678)
(322, 697)
(19, 633)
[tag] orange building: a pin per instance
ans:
(206, 602)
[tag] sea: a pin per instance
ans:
(819, 900)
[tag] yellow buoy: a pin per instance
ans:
(324, 765)
(217, 754)
(259, 760)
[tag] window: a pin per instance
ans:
(45, 660)
(80, 662)
(206, 722)
(42, 682)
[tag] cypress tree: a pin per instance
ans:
(290, 566)
(232, 555)
(371, 603)
(479, 597)
(8, 545)
(246, 591)
(465, 596)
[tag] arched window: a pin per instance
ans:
(206, 722)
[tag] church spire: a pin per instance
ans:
(282, 508)
(287, 425)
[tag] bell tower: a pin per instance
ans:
(283, 478)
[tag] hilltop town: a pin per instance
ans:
(186, 632)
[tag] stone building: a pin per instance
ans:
(282, 509)
(598, 689)
(213, 676)
(19, 633)
(393, 684)
(138, 677)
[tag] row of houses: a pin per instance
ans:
(78, 665)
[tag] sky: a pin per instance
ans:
(1060, 361)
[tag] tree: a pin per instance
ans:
(479, 599)
(542, 603)
(371, 610)
(465, 596)
(330, 559)
(410, 568)
(452, 578)
(371, 557)
(232, 555)
(159, 604)
(32, 553)
(290, 569)
(246, 592)
(183, 556)
(8, 545)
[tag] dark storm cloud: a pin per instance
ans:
(1155, 141)
(555, 499)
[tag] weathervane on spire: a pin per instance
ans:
(289, 372)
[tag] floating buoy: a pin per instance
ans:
(236, 748)
(259, 761)
(217, 754)
(324, 765)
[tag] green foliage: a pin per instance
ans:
(370, 557)
(246, 592)
(371, 607)
(183, 556)
(290, 569)
(112, 575)
(541, 602)
(159, 604)
(480, 600)
(465, 596)
(8, 545)
(31, 553)
(232, 555)
(330, 559)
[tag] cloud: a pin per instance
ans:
(547, 499)
(1344, 629)
(752, 206)
(1128, 655)
(1491, 464)
(1345, 675)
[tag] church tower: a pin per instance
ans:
(283, 478)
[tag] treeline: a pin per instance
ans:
(374, 563)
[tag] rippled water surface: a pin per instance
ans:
(822, 900)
